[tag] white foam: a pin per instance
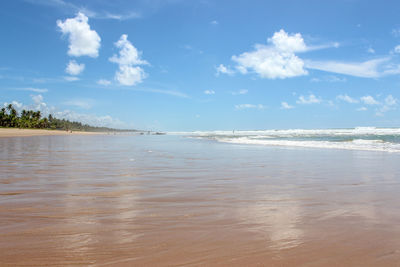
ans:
(299, 132)
(358, 144)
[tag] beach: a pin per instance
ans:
(15, 132)
(122, 200)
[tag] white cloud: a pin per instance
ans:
(285, 105)
(37, 99)
(214, 22)
(347, 99)
(371, 50)
(240, 92)
(129, 57)
(397, 49)
(366, 69)
(82, 40)
(311, 99)
(209, 92)
(329, 78)
(36, 90)
(276, 60)
(128, 75)
(73, 68)
(224, 70)
(250, 106)
(104, 82)
(91, 119)
(17, 104)
(80, 103)
(369, 100)
(71, 78)
(128, 54)
(390, 103)
(362, 109)
(288, 43)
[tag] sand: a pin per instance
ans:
(15, 132)
(169, 201)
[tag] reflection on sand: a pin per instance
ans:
(82, 200)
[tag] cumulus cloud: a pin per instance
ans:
(129, 59)
(369, 100)
(285, 105)
(83, 41)
(249, 106)
(311, 99)
(104, 82)
(224, 70)
(347, 99)
(209, 92)
(275, 60)
(73, 68)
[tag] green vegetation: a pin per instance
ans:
(33, 120)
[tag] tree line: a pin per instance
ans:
(9, 117)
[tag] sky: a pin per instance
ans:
(175, 65)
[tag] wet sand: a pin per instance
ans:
(15, 132)
(172, 201)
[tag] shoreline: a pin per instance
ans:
(16, 132)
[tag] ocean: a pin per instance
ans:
(361, 138)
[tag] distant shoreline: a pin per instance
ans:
(16, 132)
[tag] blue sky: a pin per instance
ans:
(204, 65)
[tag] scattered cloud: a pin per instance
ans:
(396, 32)
(129, 59)
(369, 100)
(224, 70)
(240, 92)
(31, 89)
(276, 60)
(249, 106)
(285, 105)
(214, 22)
(347, 99)
(71, 78)
(104, 82)
(161, 91)
(397, 49)
(362, 109)
(126, 16)
(82, 40)
(366, 69)
(209, 92)
(390, 103)
(72, 8)
(371, 50)
(329, 78)
(80, 103)
(311, 99)
(91, 119)
(73, 68)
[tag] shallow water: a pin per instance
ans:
(171, 200)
